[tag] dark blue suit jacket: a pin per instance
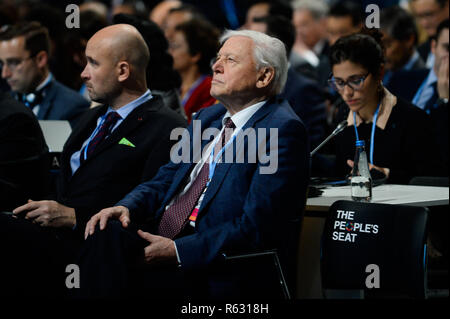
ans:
(242, 209)
(405, 84)
(61, 103)
(307, 100)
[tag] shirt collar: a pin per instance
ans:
(318, 47)
(128, 108)
(432, 78)
(387, 104)
(45, 82)
(240, 118)
(412, 60)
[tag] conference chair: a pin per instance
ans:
(260, 275)
(374, 250)
(438, 285)
(56, 134)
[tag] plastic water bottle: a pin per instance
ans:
(361, 180)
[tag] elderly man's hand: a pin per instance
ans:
(443, 80)
(47, 213)
(160, 251)
(117, 212)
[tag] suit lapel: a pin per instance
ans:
(47, 101)
(79, 135)
(138, 116)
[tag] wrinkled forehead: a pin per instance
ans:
(237, 45)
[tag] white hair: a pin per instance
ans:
(268, 52)
(317, 8)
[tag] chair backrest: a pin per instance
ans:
(379, 249)
(56, 133)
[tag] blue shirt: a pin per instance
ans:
(426, 90)
(123, 112)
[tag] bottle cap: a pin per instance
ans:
(360, 143)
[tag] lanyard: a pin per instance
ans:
(214, 160)
(372, 134)
(194, 86)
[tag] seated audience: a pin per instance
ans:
(161, 10)
(310, 45)
(304, 95)
(162, 79)
(398, 135)
(24, 54)
(115, 147)
(264, 8)
(400, 38)
(429, 14)
(24, 161)
(420, 86)
(193, 45)
(190, 219)
(344, 18)
(439, 111)
(179, 15)
(75, 44)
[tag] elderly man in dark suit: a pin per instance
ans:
(24, 160)
(195, 211)
(115, 147)
(24, 55)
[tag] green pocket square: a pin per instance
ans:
(124, 141)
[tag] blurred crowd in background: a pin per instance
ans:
(183, 37)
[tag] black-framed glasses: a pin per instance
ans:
(13, 63)
(355, 82)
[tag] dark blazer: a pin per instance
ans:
(425, 49)
(439, 117)
(24, 161)
(242, 209)
(307, 100)
(405, 84)
(61, 103)
(114, 169)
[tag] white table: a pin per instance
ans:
(386, 194)
(309, 280)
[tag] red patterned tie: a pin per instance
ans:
(103, 132)
(176, 216)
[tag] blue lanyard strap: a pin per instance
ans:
(214, 160)
(372, 134)
(354, 125)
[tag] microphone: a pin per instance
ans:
(341, 126)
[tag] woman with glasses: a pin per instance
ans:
(193, 45)
(397, 134)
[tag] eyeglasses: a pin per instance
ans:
(355, 82)
(13, 63)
